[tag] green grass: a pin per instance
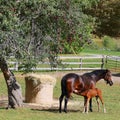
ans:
(27, 114)
(110, 94)
(87, 51)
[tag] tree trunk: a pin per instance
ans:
(14, 88)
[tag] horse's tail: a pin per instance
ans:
(64, 82)
(64, 86)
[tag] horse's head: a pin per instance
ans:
(108, 77)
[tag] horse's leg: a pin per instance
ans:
(67, 96)
(60, 102)
(90, 105)
(65, 105)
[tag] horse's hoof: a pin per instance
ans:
(65, 111)
(7, 108)
(13, 107)
(60, 111)
(104, 110)
(91, 110)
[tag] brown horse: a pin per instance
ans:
(88, 94)
(72, 82)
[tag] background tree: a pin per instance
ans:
(40, 29)
(8, 20)
(107, 14)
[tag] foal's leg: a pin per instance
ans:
(98, 103)
(100, 97)
(85, 101)
(60, 102)
(90, 105)
(87, 104)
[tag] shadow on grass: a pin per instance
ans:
(54, 110)
(2, 108)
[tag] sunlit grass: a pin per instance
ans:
(88, 51)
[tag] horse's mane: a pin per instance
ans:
(96, 72)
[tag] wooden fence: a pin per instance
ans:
(113, 63)
(69, 63)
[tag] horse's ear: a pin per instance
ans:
(106, 70)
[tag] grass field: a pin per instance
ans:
(101, 52)
(110, 94)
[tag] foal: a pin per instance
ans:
(88, 94)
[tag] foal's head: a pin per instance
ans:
(108, 77)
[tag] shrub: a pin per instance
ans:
(72, 48)
(109, 43)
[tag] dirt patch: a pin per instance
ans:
(73, 105)
(116, 78)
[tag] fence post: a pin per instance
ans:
(81, 63)
(116, 64)
(16, 66)
(106, 62)
(102, 65)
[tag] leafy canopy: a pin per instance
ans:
(32, 30)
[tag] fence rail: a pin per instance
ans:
(113, 63)
(76, 63)
(68, 63)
